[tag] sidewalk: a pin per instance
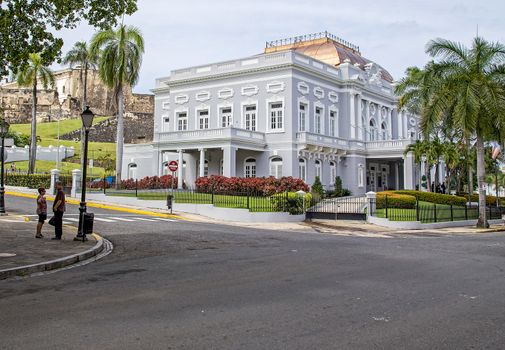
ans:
(22, 254)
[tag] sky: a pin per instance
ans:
(392, 33)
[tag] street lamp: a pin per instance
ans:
(87, 120)
(61, 99)
(4, 128)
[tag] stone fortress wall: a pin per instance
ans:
(17, 103)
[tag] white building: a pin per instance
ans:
(308, 106)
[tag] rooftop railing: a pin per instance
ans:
(308, 37)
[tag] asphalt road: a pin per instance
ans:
(187, 285)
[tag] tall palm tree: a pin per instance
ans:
(119, 65)
(452, 159)
(80, 55)
(31, 75)
(467, 90)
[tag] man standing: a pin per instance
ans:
(58, 210)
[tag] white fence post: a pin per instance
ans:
(371, 203)
(55, 177)
(76, 182)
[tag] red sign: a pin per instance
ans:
(173, 166)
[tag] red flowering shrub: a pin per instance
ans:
(260, 185)
(150, 183)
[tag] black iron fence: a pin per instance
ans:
(431, 212)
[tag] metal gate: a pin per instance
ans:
(343, 208)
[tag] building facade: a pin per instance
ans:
(307, 106)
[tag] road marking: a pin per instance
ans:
(72, 219)
(144, 219)
(120, 219)
(7, 220)
(163, 219)
(104, 220)
(67, 223)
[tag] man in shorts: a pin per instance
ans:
(41, 211)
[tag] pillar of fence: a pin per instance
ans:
(76, 182)
(371, 198)
(55, 176)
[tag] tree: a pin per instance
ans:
(452, 159)
(119, 64)
(317, 187)
(81, 56)
(29, 25)
(466, 90)
(30, 76)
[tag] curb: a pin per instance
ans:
(55, 264)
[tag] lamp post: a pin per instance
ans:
(87, 120)
(61, 100)
(4, 128)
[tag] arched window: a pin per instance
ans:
(333, 172)
(132, 171)
(302, 169)
(250, 167)
(384, 131)
(318, 169)
(276, 167)
(373, 130)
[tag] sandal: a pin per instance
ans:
(39, 236)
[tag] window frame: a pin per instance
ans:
(245, 105)
(250, 162)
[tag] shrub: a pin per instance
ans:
(260, 185)
(338, 187)
(30, 181)
(290, 202)
(150, 183)
(317, 187)
(432, 197)
(395, 200)
(490, 200)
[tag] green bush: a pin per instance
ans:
(432, 197)
(292, 203)
(395, 200)
(317, 187)
(490, 200)
(30, 181)
(338, 187)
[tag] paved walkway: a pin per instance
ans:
(19, 247)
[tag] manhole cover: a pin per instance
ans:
(7, 255)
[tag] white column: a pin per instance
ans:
(360, 120)
(55, 177)
(399, 122)
(352, 115)
(390, 123)
(76, 182)
(397, 176)
(367, 122)
(202, 162)
(229, 161)
(408, 167)
(179, 170)
(405, 126)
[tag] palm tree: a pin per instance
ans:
(119, 65)
(468, 91)
(417, 148)
(30, 75)
(452, 158)
(81, 56)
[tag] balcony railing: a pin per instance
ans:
(211, 134)
(388, 144)
(321, 140)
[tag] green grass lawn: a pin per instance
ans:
(48, 133)
(49, 130)
(254, 204)
(45, 166)
(427, 213)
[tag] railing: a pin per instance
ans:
(321, 140)
(388, 144)
(210, 134)
(253, 201)
(431, 212)
(308, 37)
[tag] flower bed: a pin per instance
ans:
(263, 185)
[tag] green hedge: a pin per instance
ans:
(294, 202)
(30, 181)
(431, 197)
(395, 200)
(490, 200)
